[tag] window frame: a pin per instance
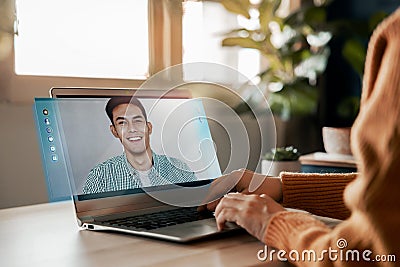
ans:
(165, 49)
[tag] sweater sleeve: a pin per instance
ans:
(373, 196)
(320, 194)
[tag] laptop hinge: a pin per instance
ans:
(86, 219)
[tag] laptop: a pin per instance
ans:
(78, 147)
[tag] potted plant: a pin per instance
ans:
(281, 159)
(295, 47)
(295, 50)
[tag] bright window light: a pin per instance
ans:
(204, 25)
(82, 38)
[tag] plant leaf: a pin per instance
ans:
(242, 42)
(354, 52)
(240, 7)
(303, 101)
(315, 15)
(267, 10)
(298, 98)
(288, 153)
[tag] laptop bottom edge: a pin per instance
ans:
(181, 233)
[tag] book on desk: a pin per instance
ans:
(321, 162)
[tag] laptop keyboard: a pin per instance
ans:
(161, 219)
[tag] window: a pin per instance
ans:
(82, 38)
(204, 25)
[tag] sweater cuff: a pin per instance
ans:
(320, 194)
(286, 228)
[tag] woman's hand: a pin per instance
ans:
(242, 181)
(251, 212)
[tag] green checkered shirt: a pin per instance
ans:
(117, 174)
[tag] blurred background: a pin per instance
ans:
(307, 58)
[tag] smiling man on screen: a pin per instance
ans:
(138, 166)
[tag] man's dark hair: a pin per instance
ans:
(119, 100)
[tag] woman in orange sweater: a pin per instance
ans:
(371, 197)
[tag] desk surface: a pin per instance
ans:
(48, 235)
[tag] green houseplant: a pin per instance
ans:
(281, 159)
(295, 47)
(288, 153)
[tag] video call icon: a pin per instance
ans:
(54, 157)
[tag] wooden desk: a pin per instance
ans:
(47, 235)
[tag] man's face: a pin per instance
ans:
(131, 128)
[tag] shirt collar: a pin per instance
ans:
(134, 172)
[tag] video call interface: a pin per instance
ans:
(102, 162)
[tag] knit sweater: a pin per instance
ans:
(373, 196)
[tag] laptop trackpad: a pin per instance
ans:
(197, 228)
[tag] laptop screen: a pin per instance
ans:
(150, 145)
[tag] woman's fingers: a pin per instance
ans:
(228, 201)
(252, 212)
(229, 209)
(226, 215)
